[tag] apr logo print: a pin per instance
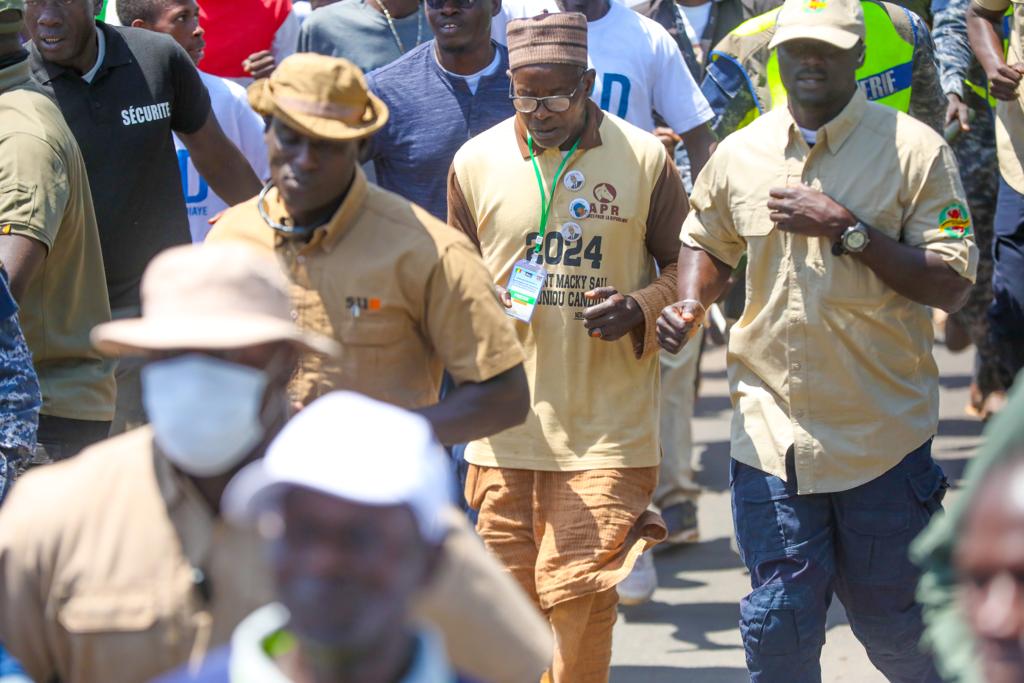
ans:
(815, 5)
(605, 193)
(955, 221)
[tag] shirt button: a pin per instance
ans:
(295, 315)
(300, 259)
(796, 366)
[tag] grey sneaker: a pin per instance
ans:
(639, 586)
(681, 520)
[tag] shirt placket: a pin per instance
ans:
(796, 333)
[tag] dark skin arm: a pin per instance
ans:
(702, 278)
(478, 409)
(219, 161)
(22, 257)
(917, 274)
(700, 142)
(984, 30)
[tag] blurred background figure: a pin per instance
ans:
(244, 127)
(368, 33)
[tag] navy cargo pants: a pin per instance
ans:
(801, 550)
(1006, 314)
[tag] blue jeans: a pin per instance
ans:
(1006, 314)
(801, 550)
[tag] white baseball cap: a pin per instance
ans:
(353, 448)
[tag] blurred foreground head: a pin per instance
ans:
(989, 559)
(350, 497)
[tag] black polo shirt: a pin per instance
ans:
(145, 88)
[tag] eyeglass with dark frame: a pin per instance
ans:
(461, 4)
(556, 104)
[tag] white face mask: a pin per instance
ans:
(205, 412)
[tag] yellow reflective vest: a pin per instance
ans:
(885, 77)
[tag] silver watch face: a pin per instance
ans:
(855, 240)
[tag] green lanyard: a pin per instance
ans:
(547, 200)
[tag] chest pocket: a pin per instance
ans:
(123, 634)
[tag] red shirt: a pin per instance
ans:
(237, 28)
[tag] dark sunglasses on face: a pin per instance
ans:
(556, 104)
(461, 4)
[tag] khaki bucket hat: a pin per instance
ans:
(211, 296)
(321, 97)
(836, 22)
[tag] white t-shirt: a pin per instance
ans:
(244, 127)
(639, 66)
(473, 81)
(698, 17)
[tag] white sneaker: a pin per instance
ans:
(639, 586)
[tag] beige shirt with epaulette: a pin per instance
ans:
(404, 294)
(98, 577)
(827, 358)
(1010, 115)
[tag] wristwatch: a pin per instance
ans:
(853, 240)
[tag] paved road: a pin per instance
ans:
(688, 633)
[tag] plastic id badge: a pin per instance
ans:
(524, 288)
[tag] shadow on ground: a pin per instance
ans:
(692, 621)
(669, 674)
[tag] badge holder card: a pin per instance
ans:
(524, 288)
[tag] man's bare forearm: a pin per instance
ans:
(701, 276)
(476, 410)
(918, 274)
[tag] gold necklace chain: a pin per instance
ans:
(394, 31)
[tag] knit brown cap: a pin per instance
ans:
(557, 38)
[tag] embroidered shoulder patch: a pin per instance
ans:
(955, 221)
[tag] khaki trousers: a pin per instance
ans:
(568, 538)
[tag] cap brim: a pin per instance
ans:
(138, 336)
(248, 492)
(322, 128)
(842, 39)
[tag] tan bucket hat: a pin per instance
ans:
(322, 97)
(836, 22)
(211, 296)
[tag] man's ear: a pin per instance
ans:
(589, 80)
(139, 23)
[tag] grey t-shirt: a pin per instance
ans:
(356, 31)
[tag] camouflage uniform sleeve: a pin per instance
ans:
(20, 398)
(927, 101)
(951, 46)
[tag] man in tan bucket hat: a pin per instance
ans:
(403, 294)
(129, 570)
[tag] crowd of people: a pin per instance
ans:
(359, 341)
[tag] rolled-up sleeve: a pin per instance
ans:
(938, 218)
(709, 225)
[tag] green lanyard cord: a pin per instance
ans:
(547, 200)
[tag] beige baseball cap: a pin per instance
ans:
(10, 22)
(210, 296)
(837, 22)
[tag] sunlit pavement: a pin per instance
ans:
(688, 633)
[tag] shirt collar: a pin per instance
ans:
(590, 139)
(328, 235)
(116, 54)
(175, 488)
(500, 56)
(251, 662)
(835, 132)
(14, 75)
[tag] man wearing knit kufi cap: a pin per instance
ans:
(563, 498)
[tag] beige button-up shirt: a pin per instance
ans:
(403, 294)
(827, 358)
(97, 577)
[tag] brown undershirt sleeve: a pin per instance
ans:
(668, 208)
